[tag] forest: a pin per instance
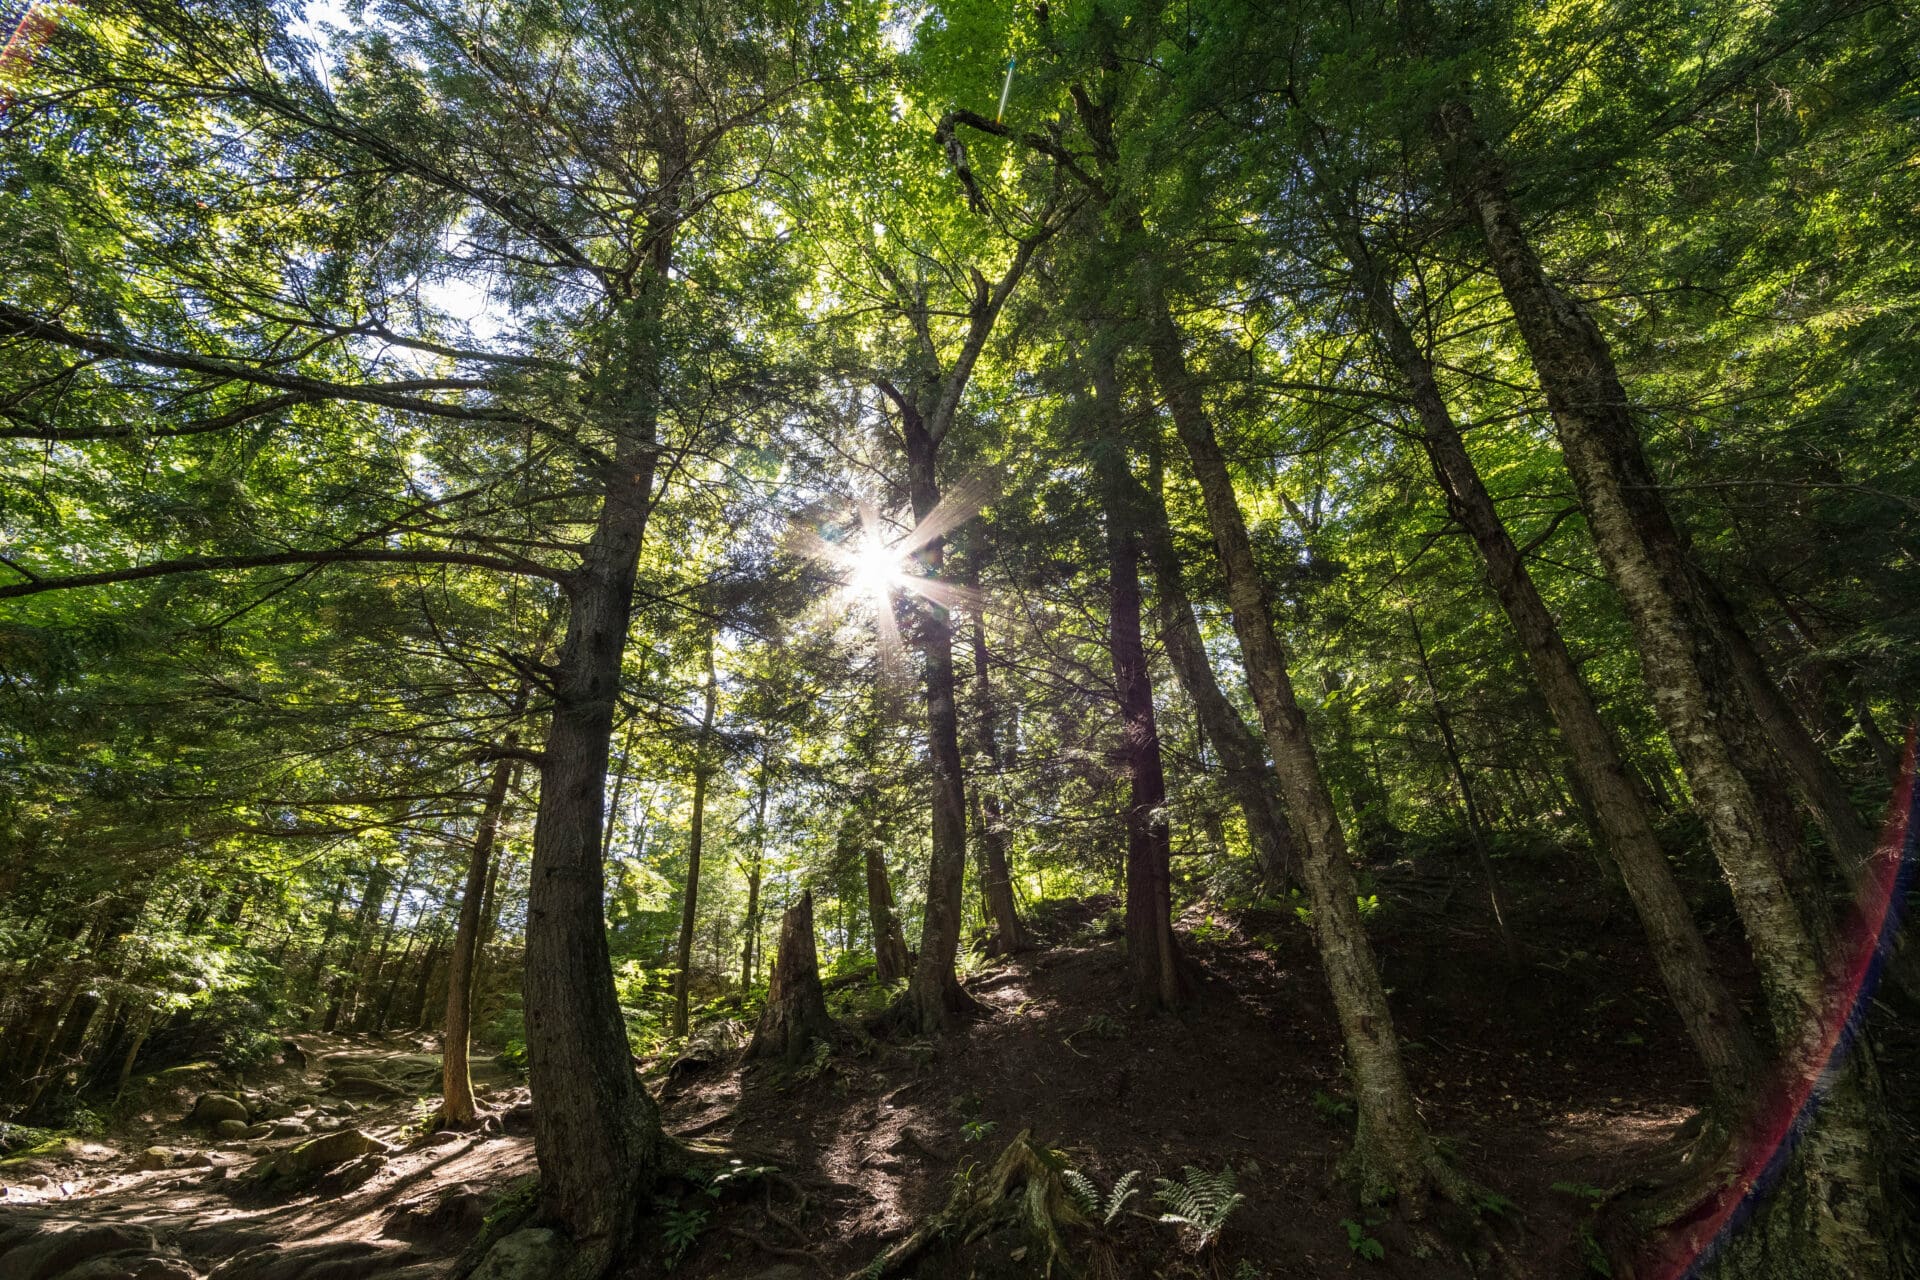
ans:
(961, 639)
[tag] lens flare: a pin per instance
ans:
(1865, 944)
(873, 569)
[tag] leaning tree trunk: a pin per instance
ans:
(456, 1084)
(1251, 781)
(371, 900)
(796, 1011)
(1713, 1021)
(1822, 793)
(990, 827)
(690, 902)
(1706, 703)
(1476, 829)
(361, 1000)
(597, 1133)
(1392, 1153)
(1152, 951)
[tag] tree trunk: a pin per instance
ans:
(1883, 750)
(990, 830)
(1392, 1154)
(395, 976)
(132, 1055)
(371, 900)
(1476, 832)
(690, 901)
(1250, 779)
(369, 976)
(416, 1015)
(796, 1010)
(1152, 951)
(751, 926)
(1821, 792)
(326, 936)
(890, 959)
(1714, 1022)
(597, 1133)
(456, 1084)
(933, 998)
(1702, 693)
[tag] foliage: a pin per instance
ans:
(1359, 1243)
(1331, 1107)
(318, 353)
(817, 1063)
(1102, 1209)
(680, 1230)
(1198, 1203)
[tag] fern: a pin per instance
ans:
(679, 1228)
(1199, 1203)
(1087, 1196)
(1360, 1244)
(813, 1067)
(1333, 1108)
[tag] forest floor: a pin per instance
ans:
(1551, 1084)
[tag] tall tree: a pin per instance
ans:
(703, 767)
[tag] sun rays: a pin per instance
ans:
(880, 573)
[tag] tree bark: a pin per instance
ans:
(690, 901)
(796, 1011)
(395, 975)
(891, 961)
(416, 1015)
(597, 1133)
(1392, 1153)
(359, 997)
(1821, 792)
(326, 936)
(1714, 1022)
(990, 831)
(933, 999)
(456, 1084)
(1705, 696)
(1689, 671)
(751, 926)
(1476, 831)
(1152, 951)
(1243, 760)
(371, 900)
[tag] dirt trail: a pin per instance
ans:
(1566, 1074)
(167, 1198)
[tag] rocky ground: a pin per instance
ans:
(1557, 1085)
(317, 1168)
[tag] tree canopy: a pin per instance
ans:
(505, 505)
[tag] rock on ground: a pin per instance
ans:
(78, 1251)
(533, 1254)
(323, 1152)
(213, 1109)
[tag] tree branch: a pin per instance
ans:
(338, 555)
(392, 395)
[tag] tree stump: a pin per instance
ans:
(796, 1011)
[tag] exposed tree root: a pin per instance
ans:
(1023, 1189)
(778, 1251)
(1406, 1178)
(917, 1013)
